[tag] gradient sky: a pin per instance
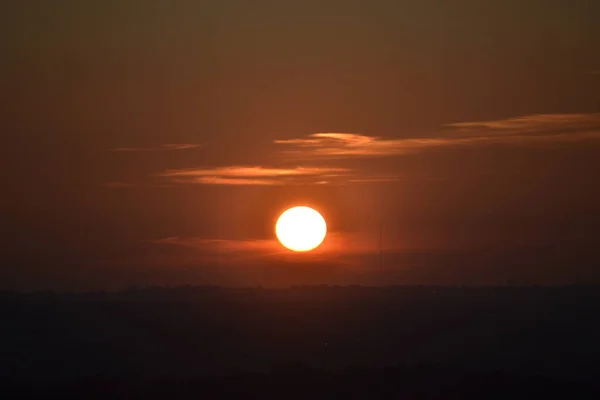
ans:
(154, 142)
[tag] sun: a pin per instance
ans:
(301, 229)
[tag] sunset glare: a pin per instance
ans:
(301, 229)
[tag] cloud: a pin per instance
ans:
(531, 129)
(218, 180)
(341, 145)
(230, 251)
(163, 147)
(218, 245)
(253, 175)
(546, 124)
(336, 247)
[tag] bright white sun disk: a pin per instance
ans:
(301, 229)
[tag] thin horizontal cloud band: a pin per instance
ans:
(252, 171)
(350, 242)
(533, 129)
(530, 130)
(255, 175)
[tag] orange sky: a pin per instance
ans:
(157, 143)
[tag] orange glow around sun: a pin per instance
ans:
(301, 229)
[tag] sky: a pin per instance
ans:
(155, 143)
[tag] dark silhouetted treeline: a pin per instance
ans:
(298, 382)
(214, 340)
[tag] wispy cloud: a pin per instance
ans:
(218, 245)
(546, 124)
(336, 244)
(253, 175)
(163, 147)
(328, 145)
(531, 129)
(218, 180)
(319, 148)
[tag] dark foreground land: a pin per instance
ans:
(402, 383)
(347, 342)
